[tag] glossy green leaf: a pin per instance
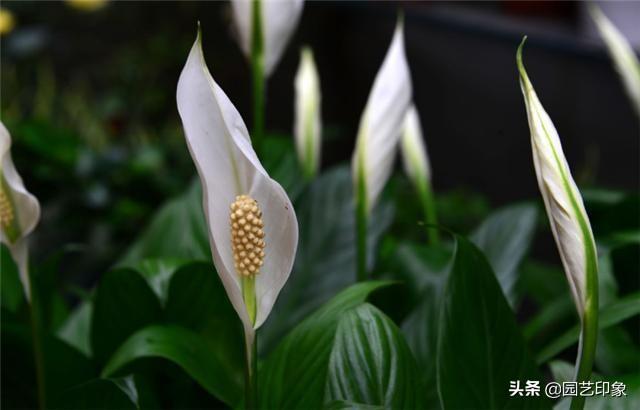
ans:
(177, 231)
(294, 374)
(348, 405)
(76, 330)
(371, 363)
(185, 348)
(99, 394)
(326, 257)
(504, 237)
(426, 269)
(480, 347)
(123, 304)
(610, 315)
(158, 273)
(197, 301)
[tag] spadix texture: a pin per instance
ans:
(307, 127)
(279, 19)
(228, 167)
(382, 120)
(414, 151)
(563, 202)
(622, 54)
(19, 210)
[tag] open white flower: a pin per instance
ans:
(563, 202)
(414, 152)
(19, 210)
(307, 127)
(381, 123)
(253, 230)
(277, 21)
(622, 53)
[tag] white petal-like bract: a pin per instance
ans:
(414, 151)
(381, 123)
(20, 210)
(279, 19)
(307, 126)
(221, 149)
(622, 54)
(563, 202)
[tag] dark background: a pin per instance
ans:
(103, 83)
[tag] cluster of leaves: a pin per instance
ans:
(445, 326)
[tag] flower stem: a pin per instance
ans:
(38, 352)
(257, 72)
(361, 231)
(251, 372)
(587, 345)
(429, 209)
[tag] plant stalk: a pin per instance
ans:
(429, 209)
(257, 73)
(251, 373)
(587, 347)
(38, 352)
(361, 231)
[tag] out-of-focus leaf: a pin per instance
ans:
(610, 315)
(425, 269)
(11, 293)
(371, 363)
(99, 394)
(294, 375)
(278, 158)
(123, 304)
(480, 348)
(183, 347)
(617, 352)
(348, 405)
(326, 257)
(177, 231)
(158, 273)
(64, 367)
(504, 237)
(565, 372)
(198, 301)
(76, 330)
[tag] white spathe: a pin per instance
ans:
(563, 202)
(307, 126)
(279, 21)
(622, 54)
(221, 149)
(382, 120)
(25, 209)
(413, 148)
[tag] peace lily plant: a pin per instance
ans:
(264, 29)
(253, 230)
(378, 136)
(307, 126)
(418, 168)
(569, 223)
(19, 215)
(622, 54)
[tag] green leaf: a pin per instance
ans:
(504, 237)
(123, 304)
(96, 394)
(76, 330)
(294, 375)
(424, 268)
(326, 257)
(612, 314)
(177, 231)
(480, 348)
(158, 273)
(347, 405)
(185, 348)
(11, 293)
(371, 363)
(279, 159)
(197, 301)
